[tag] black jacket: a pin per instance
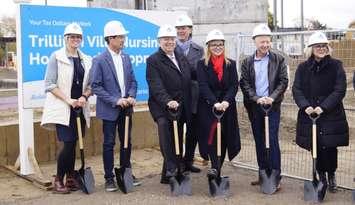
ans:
(211, 92)
(277, 75)
(321, 84)
(166, 82)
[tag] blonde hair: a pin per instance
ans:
(208, 54)
(308, 51)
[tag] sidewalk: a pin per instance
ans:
(147, 165)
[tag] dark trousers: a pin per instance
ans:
(167, 145)
(191, 140)
(258, 127)
(212, 152)
(66, 159)
(109, 129)
(327, 159)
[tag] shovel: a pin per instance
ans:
(353, 193)
(269, 177)
(124, 175)
(83, 176)
(181, 183)
(314, 190)
(218, 185)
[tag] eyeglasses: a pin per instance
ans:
(75, 36)
(213, 45)
(320, 46)
(118, 36)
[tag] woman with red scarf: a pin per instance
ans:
(218, 82)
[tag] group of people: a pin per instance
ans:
(185, 77)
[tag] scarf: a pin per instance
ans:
(217, 62)
(184, 45)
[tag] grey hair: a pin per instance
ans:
(308, 51)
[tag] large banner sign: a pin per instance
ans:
(41, 33)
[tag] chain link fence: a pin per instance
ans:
(295, 161)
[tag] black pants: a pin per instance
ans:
(167, 145)
(327, 159)
(66, 159)
(191, 140)
(212, 152)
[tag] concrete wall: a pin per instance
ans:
(144, 134)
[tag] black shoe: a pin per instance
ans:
(212, 173)
(192, 168)
(332, 183)
(136, 182)
(256, 182)
(164, 180)
(110, 185)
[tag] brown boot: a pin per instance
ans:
(71, 183)
(59, 187)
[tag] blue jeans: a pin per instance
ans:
(258, 126)
(109, 129)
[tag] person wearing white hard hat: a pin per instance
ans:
(319, 87)
(263, 81)
(168, 76)
(218, 81)
(193, 52)
(115, 85)
(67, 89)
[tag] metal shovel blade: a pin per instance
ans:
(219, 189)
(269, 180)
(314, 191)
(86, 180)
(353, 196)
(124, 179)
(180, 185)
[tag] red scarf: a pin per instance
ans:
(217, 62)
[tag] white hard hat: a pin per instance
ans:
(73, 28)
(166, 31)
(215, 34)
(317, 37)
(261, 30)
(114, 28)
(183, 20)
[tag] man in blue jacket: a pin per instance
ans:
(114, 83)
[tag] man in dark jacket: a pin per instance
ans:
(169, 79)
(263, 81)
(193, 53)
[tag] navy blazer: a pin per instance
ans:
(105, 86)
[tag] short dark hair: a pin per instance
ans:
(107, 39)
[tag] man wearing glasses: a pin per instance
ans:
(115, 86)
(263, 81)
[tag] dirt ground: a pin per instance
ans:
(147, 166)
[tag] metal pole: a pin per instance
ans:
(302, 26)
(282, 13)
(275, 15)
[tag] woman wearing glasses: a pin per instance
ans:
(218, 82)
(66, 86)
(319, 87)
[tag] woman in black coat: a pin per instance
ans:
(218, 83)
(169, 79)
(319, 87)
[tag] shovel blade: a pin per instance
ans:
(219, 189)
(124, 179)
(86, 180)
(269, 180)
(353, 196)
(180, 185)
(314, 191)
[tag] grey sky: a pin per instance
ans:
(334, 13)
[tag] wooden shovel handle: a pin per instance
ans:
(80, 134)
(219, 139)
(176, 138)
(126, 126)
(314, 141)
(267, 136)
